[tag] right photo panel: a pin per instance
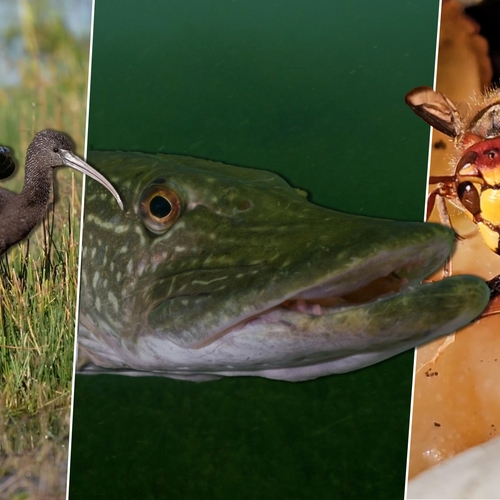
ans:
(454, 439)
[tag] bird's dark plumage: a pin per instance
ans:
(20, 213)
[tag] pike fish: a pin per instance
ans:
(213, 270)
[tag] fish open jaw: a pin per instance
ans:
(384, 285)
(379, 288)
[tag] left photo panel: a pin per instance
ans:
(44, 63)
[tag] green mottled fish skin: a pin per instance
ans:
(204, 299)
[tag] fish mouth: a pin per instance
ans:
(377, 279)
(313, 302)
(378, 303)
(395, 305)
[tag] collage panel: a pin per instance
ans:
(44, 62)
(192, 105)
(454, 441)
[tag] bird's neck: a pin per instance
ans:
(37, 183)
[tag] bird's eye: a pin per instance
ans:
(159, 207)
(56, 150)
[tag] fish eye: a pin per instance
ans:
(159, 208)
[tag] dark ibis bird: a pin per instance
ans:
(20, 213)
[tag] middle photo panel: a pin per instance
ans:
(249, 143)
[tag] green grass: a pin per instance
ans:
(37, 317)
(38, 283)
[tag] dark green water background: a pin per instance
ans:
(313, 90)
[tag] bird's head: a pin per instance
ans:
(51, 149)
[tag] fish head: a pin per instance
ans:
(215, 270)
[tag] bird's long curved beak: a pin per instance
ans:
(71, 160)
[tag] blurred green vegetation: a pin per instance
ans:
(53, 77)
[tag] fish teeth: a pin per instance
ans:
(316, 310)
(302, 306)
